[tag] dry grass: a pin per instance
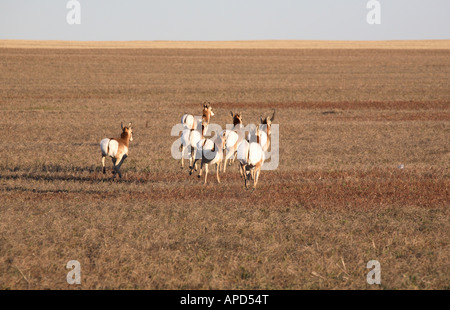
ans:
(347, 119)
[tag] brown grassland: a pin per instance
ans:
(348, 118)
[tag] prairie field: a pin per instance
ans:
(363, 168)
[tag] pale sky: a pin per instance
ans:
(205, 20)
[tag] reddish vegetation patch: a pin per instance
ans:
(338, 106)
(310, 189)
(380, 117)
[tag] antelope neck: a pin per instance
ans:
(125, 136)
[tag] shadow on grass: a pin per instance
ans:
(48, 191)
(91, 178)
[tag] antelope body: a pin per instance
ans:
(265, 132)
(252, 153)
(211, 152)
(234, 137)
(191, 135)
(251, 158)
(117, 149)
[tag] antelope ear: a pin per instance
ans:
(129, 125)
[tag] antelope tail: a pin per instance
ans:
(107, 148)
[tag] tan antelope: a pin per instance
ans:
(190, 125)
(211, 152)
(265, 132)
(191, 135)
(234, 137)
(117, 149)
(251, 158)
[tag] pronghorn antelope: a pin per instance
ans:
(117, 149)
(265, 132)
(234, 137)
(190, 125)
(211, 153)
(191, 134)
(251, 158)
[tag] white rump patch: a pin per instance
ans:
(206, 148)
(185, 137)
(255, 153)
(188, 121)
(263, 139)
(194, 137)
(232, 138)
(109, 147)
(242, 152)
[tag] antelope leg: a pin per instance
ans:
(119, 164)
(217, 171)
(103, 164)
(255, 181)
(182, 153)
(206, 172)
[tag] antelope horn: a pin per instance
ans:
(121, 125)
(273, 116)
(231, 112)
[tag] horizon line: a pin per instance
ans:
(231, 44)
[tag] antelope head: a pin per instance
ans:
(268, 121)
(127, 130)
(237, 118)
(207, 112)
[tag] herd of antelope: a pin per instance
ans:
(226, 146)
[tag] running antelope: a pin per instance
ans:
(211, 153)
(117, 149)
(190, 124)
(234, 137)
(191, 134)
(251, 158)
(265, 133)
